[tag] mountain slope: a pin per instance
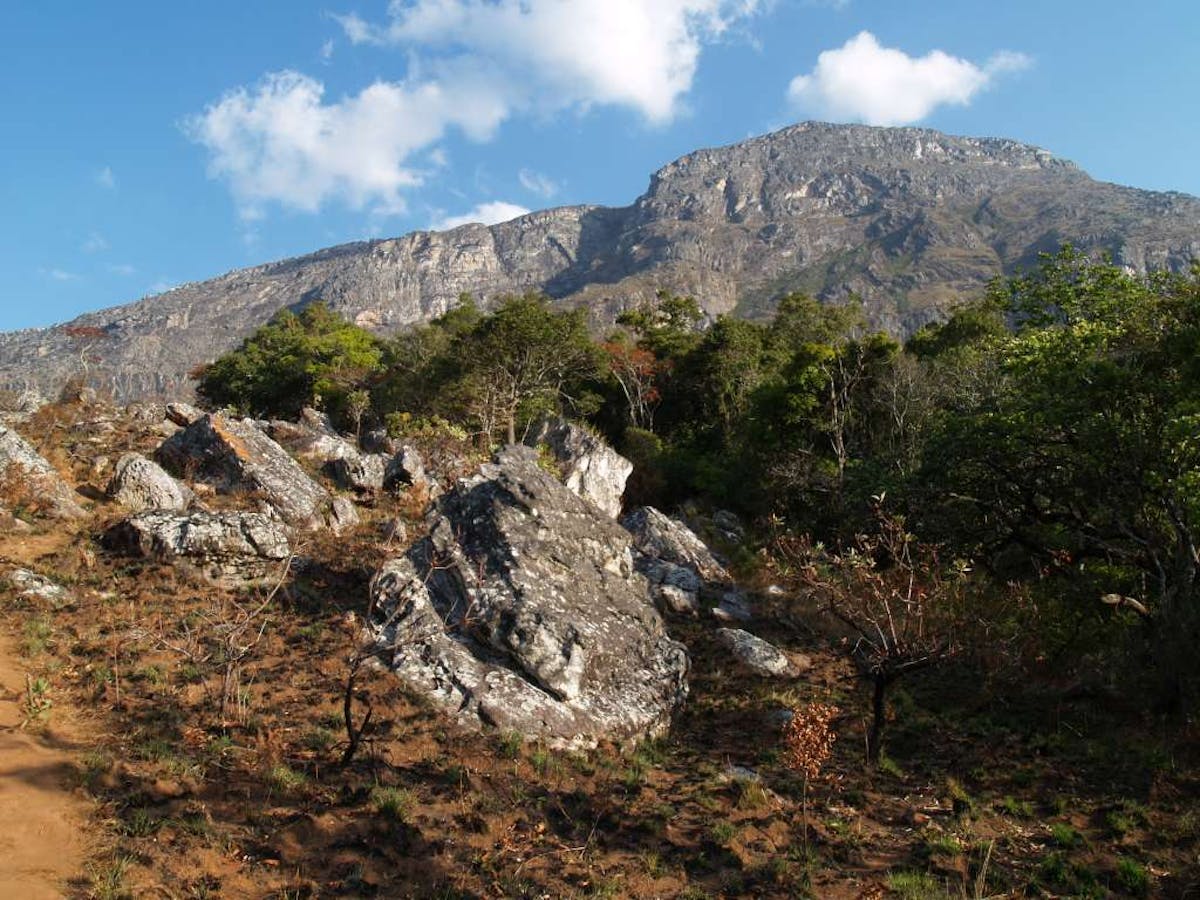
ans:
(911, 220)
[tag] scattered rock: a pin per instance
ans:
(394, 531)
(523, 611)
(19, 460)
(407, 469)
(659, 537)
(309, 443)
(677, 600)
(729, 525)
(141, 484)
(236, 456)
(226, 545)
(360, 472)
(379, 441)
(755, 653)
(733, 606)
(342, 514)
(183, 414)
(31, 585)
(590, 468)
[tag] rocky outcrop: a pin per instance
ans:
(29, 472)
(235, 456)
(681, 568)
(589, 467)
(523, 611)
(911, 220)
(359, 472)
(406, 469)
(141, 484)
(761, 657)
(227, 545)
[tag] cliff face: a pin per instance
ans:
(911, 220)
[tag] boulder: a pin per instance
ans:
(407, 469)
(360, 472)
(681, 568)
(235, 456)
(589, 467)
(183, 414)
(522, 610)
(18, 460)
(317, 445)
(141, 484)
(33, 586)
(342, 514)
(760, 656)
(241, 545)
(379, 441)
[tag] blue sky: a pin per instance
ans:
(146, 144)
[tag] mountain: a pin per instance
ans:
(911, 220)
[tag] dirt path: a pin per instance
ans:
(42, 821)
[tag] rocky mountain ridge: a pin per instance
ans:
(911, 220)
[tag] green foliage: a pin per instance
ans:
(310, 358)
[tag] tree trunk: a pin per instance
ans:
(512, 429)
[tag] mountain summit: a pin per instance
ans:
(911, 220)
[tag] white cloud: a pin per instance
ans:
(561, 53)
(326, 51)
(282, 142)
(537, 183)
(866, 82)
(123, 269)
(59, 275)
(95, 243)
(485, 214)
(106, 179)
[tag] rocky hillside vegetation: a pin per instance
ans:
(767, 610)
(912, 221)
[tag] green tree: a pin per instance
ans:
(314, 357)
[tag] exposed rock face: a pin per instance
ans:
(19, 460)
(361, 472)
(183, 414)
(236, 456)
(407, 469)
(33, 586)
(226, 545)
(310, 443)
(523, 611)
(912, 220)
(140, 484)
(590, 468)
(756, 654)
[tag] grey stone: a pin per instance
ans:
(140, 484)
(523, 611)
(758, 655)
(361, 472)
(240, 545)
(663, 539)
(30, 585)
(590, 468)
(407, 469)
(235, 456)
(342, 514)
(19, 460)
(182, 414)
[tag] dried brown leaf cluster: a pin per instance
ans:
(809, 737)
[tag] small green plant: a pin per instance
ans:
(889, 766)
(915, 886)
(37, 699)
(1119, 822)
(285, 779)
(108, 878)
(960, 801)
(140, 823)
(723, 832)
(1021, 809)
(751, 794)
(392, 803)
(1063, 835)
(1133, 877)
(942, 845)
(318, 740)
(510, 744)
(541, 759)
(36, 638)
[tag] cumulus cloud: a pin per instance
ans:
(485, 214)
(563, 53)
(866, 82)
(537, 183)
(283, 142)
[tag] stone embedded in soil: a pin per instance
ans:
(590, 468)
(237, 545)
(141, 484)
(760, 656)
(38, 587)
(523, 611)
(18, 460)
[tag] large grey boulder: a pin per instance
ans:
(141, 484)
(242, 545)
(359, 472)
(523, 611)
(235, 456)
(591, 468)
(18, 460)
(316, 444)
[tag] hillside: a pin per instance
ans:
(911, 220)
